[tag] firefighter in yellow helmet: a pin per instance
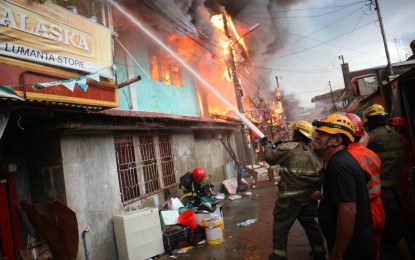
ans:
(389, 146)
(344, 211)
(299, 179)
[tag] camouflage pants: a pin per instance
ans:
(286, 211)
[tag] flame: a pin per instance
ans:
(235, 33)
(216, 72)
(217, 21)
(228, 75)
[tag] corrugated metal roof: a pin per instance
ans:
(143, 114)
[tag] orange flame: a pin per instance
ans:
(213, 70)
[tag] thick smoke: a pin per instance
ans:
(268, 41)
(192, 18)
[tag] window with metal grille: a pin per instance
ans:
(164, 68)
(145, 165)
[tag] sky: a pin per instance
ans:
(306, 38)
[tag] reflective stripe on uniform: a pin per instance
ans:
(390, 183)
(299, 171)
(280, 252)
(287, 194)
(318, 249)
(376, 177)
(390, 154)
(375, 189)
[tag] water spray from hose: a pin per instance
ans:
(190, 69)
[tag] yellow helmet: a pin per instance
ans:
(336, 124)
(303, 127)
(375, 110)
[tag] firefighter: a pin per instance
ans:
(299, 179)
(388, 145)
(400, 125)
(371, 162)
(344, 212)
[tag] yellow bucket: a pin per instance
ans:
(214, 231)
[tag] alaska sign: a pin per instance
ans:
(55, 40)
(49, 34)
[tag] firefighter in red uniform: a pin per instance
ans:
(371, 163)
(299, 179)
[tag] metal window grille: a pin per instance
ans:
(166, 156)
(145, 165)
(127, 171)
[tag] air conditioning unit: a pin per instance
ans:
(138, 234)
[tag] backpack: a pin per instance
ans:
(186, 182)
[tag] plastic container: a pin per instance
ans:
(214, 230)
(188, 218)
(247, 222)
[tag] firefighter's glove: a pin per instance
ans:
(277, 143)
(264, 141)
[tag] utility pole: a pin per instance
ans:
(332, 98)
(238, 93)
(385, 44)
(347, 81)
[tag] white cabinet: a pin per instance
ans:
(138, 234)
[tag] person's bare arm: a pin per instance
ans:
(345, 228)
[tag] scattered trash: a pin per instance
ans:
(202, 242)
(231, 185)
(173, 256)
(173, 203)
(220, 196)
(247, 222)
(234, 197)
(184, 249)
(246, 193)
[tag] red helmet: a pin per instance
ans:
(357, 124)
(398, 121)
(198, 174)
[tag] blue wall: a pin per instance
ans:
(152, 96)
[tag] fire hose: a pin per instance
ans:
(84, 241)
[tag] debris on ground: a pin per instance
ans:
(234, 197)
(184, 249)
(247, 222)
(246, 193)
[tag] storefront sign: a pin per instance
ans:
(51, 35)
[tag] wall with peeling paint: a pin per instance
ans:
(91, 181)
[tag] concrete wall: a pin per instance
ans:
(91, 182)
(92, 190)
(209, 154)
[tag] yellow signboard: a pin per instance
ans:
(49, 34)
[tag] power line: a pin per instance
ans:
(321, 43)
(303, 16)
(308, 9)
